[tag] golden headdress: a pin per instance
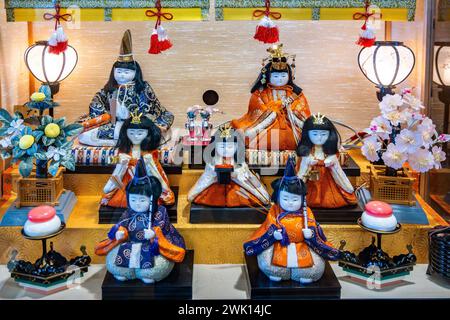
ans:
(136, 117)
(278, 58)
(318, 118)
(226, 131)
(126, 48)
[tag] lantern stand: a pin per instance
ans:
(53, 81)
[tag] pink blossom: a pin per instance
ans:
(390, 103)
(370, 148)
(393, 157)
(439, 156)
(408, 141)
(422, 160)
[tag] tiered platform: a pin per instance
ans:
(213, 243)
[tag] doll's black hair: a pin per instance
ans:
(295, 186)
(138, 79)
(329, 148)
(150, 143)
(236, 137)
(260, 85)
(144, 185)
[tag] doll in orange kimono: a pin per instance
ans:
(290, 244)
(328, 186)
(139, 137)
(242, 188)
(277, 108)
(143, 244)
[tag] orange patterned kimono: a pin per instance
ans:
(225, 195)
(325, 192)
(118, 198)
(262, 104)
(294, 225)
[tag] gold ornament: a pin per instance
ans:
(136, 117)
(225, 131)
(318, 119)
(279, 58)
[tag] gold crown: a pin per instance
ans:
(318, 118)
(136, 117)
(225, 131)
(279, 58)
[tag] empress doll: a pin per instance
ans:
(242, 187)
(139, 137)
(277, 108)
(126, 92)
(328, 186)
(290, 244)
(143, 244)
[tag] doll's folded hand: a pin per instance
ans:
(330, 161)
(277, 234)
(307, 233)
(149, 234)
(120, 235)
(313, 162)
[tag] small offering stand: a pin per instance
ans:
(51, 272)
(372, 266)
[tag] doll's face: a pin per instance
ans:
(279, 79)
(123, 75)
(290, 201)
(226, 149)
(319, 137)
(136, 136)
(139, 203)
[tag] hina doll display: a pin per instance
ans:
(227, 181)
(277, 108)
(328, 186)
(125, 93)
(139, 138)
(290, 244)
(143, 244)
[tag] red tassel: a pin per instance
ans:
(58, 41)
(154, 43)
(159, 41)
(367, 37)
(267, 31)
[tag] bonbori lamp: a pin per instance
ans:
(386, 64)
(441, 76)
(50, 69)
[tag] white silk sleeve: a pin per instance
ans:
(208, 178)
(118, 173)
(151, 168)
(251, 183)
(339, 175)
(304, 168)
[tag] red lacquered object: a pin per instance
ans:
(41, 214)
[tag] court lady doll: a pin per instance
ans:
(143, 244)
(290, 245)
(328, 186)
(126, 92)
(277, 107)
(139, 137)
(227, 181)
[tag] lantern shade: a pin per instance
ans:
(387, 63)
(47, 67)
(441, 74)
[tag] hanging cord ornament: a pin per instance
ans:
(159, 41)
(58, 41)
(367, 35)
(267, 31)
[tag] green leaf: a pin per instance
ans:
(18, 153)
(60, 122)
(47, 141)
(73, 129)
(46, 120)
(3, 130)
(40, 156)
(53, 168)
(25, 167)
(69, 164)
(38, 134)
(5, 117)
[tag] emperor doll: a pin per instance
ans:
(328, 186)
(227, 180)
(290, 244)
(125, 93)
(143, 244)
(277, 107)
